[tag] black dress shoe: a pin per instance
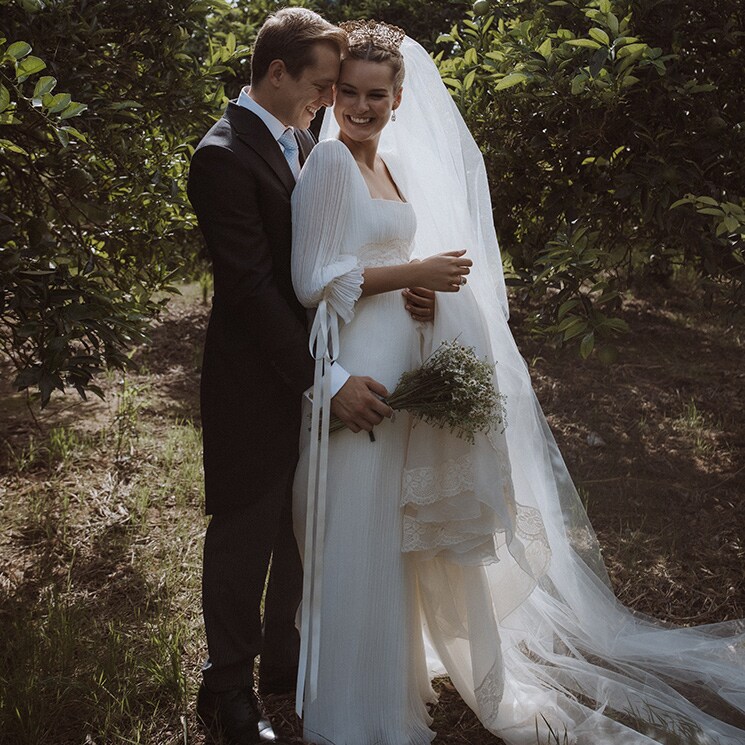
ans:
(278, 681)
(234, 717)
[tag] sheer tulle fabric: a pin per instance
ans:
(496, 563)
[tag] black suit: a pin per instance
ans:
(255, 369)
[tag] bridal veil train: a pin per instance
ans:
(513, 599)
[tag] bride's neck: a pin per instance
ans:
(363, 152)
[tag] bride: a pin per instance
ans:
(425, 554)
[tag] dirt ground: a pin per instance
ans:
(655, 443)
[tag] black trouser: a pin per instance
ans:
(237, 550)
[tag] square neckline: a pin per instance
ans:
(403, 200)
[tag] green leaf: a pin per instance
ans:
(545, 49)
(18, 50)
(708, 200)
(616, 324)
(77, 134)
(598, 60)
(587, 345)
(732, 223)
(575, 329)
(468, 80)
(4, 97)
(29, 66)
(63, 137)
(12, 147)
(74, 109)
(631, 49)
(44, 85)
(508, 81)
(600, 35)
(566, 306)
(57, 103)
(587, 43)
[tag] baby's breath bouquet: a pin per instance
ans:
(453, 388)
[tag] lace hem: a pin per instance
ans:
(453, 484)
(419, 536)
(431, 484)
(489, 695)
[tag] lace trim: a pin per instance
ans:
(419, 536)
(453, 478)
(489, 694)
(430, 484)
(385, 253)
(530, 529)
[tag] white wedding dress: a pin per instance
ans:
(368, 582)
(425, 555)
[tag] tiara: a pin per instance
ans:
(379, 34)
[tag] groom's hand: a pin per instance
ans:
(420, 303)
(358, 403)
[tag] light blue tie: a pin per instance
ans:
(290, 148)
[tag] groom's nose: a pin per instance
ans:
(327, 95)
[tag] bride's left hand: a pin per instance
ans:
(420, 303)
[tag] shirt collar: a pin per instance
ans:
(273, 124)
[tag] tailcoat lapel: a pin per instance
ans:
(253, 132)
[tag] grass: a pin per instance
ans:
(101, 611)
(100, 502)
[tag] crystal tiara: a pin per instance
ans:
(379, 34)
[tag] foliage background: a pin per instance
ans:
(612, 133)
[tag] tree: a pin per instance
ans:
(95, 223)
(612, 141)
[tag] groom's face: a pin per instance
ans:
(312, 89)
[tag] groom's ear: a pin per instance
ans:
(276, 71)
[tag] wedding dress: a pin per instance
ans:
(426, 555)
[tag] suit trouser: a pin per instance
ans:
(238, 547)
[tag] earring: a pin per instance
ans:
(393, 116)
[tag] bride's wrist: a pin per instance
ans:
(414, 273)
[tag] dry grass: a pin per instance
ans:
(102, 527)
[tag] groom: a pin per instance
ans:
(256, 368)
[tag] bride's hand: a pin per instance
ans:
(445, 272)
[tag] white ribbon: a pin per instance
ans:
(325, 325)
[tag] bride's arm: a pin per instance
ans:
(441, 273)
(327, 278)
(324, 261)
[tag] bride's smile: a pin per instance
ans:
(366, 95)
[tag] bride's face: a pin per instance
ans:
(365, 98)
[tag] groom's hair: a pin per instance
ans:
(290, 35)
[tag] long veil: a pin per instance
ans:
(542, 642)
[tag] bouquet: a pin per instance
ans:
(453, 388)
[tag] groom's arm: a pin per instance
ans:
(225, 200)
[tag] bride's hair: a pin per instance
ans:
(375, 41)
